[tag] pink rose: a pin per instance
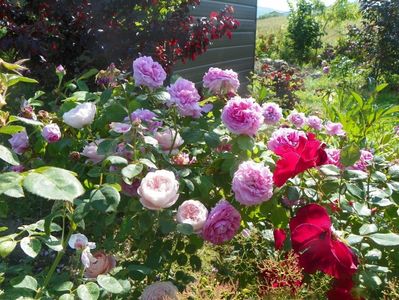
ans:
(101, 264)
(19, 142)
(285, 137)
(120, 127)
(220, 81)
(165, 139)
(334, 157)
(192, 212)
(51, 133)
(314, 122)
(185, 96)
(297, 119)
(158, 190)
(272, 113)
(164, 290)
(365, 160)
(146, 117)
(90, 151)
(79, 241)
(252, 183)
(242, 116)
(334, 129)
(222, 223)
(147, 72)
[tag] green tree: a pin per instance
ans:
(304, 31)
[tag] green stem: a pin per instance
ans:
(57, 260)
(175, 136)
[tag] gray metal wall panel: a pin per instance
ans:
(236, 53)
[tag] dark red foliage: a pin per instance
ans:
(308, 154)
(85, 33)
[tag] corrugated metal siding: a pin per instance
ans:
(237, 53)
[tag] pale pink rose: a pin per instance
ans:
(90, 151)
(83, 114)
(146, 117)
(297, 119)
(314, 122)
(272, 113)
(185, 96)
(334, 129)
(192, 212)
(19, 142)
(148, 72)
(60, 70)
(220, 81)
(334, 157)
(164, 290)
(285, 137)
(222, 223)
(120, 127)
(158, 190)
(365, 160)
(165, 139)
(252, 183)
(100, 265)
(242, 116)
(51, 133)
(181, 159)
(79, 241)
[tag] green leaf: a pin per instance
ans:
(8, 156)
(106, 199)
(385, 239)
(67, 297)
(11, 129)
(212, 139)
(14, 79)
(354, 239)
(350, 154)
(373, 254)
(367, 229)
(330, 170)
(29, 121)
(185, 229)
(54, 184)
(110, 284)
(88, 74)
(148, 163)
(10, 184)
(31, 246)
(63, 286)
(6, 247)
(53, 243)
(380, 87)
(245, 142)
(132, 170)
(195, 263)
(27, 282)
(107, 147)
(88, 291)
(162, 96)
(116, 160)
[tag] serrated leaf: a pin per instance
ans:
(26, 282)
(185, 229)
(245, 142)
(148, 163)
(67, 297)
(350, 154)
(6, 247)
(354, 239)
(11, 129)
(9, 182)
(330, 170)
(53, 243)
(367, 229)
(88, 291)
(110, 284)
(105, 199)
(116, 160)
(54, 184)
(132, 170)
(31, 246)
(385, 239)
(8, 156)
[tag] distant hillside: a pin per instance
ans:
(263, 11)
(273, 14)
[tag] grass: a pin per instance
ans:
(277, 25)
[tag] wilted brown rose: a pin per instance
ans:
(102, 265)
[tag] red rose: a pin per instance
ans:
(309, 153)
(317, 246)
(342, 290)
(279, 238)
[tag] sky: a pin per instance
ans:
(282, 4)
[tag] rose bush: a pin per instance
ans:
(132, 169)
